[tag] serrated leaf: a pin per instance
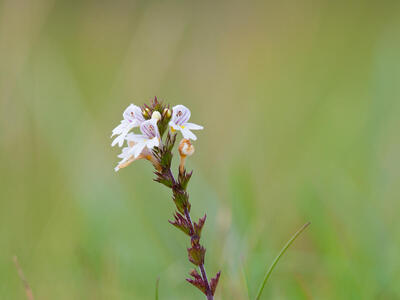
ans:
(181, 199)
(197, 281)
(181, 223)
(199, 226)
(214, 282)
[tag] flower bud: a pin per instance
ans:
(146, 112)
(156, 115)
(186, 148)
(167, 112)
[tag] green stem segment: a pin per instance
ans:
(271, 268)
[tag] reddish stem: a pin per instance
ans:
(202, 269)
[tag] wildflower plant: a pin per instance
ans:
(159, 126)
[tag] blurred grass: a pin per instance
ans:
(300, 103)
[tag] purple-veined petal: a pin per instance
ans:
(132, 113)
(192, 126)
(149, 128)
(180, 114)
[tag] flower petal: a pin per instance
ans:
(136, 138)
(138, 148)
(149, 128)
(124, 159)
(187, 134)
(192, 126)
(125, 162)
(180, 114)
(118, 140)
(132, 113)
(119, 128)
(153, 143)
(125, 152)
(174, 126)
(123, 129)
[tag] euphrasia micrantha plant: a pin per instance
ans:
(156, 121)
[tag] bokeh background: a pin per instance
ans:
(300, 103)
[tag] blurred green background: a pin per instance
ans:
(300, 103)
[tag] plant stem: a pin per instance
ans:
(271, 268)
(189, 219)
(182, 217)
(203, 273)
(202, 269)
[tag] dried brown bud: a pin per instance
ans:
(186, 148)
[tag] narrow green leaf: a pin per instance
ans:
(157, 283)
(271, 268)
(244, 278)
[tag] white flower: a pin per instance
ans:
(179, 121)
(140, 145)
(128, 158)
(133, 117)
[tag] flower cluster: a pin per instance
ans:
(154, 121)
(151, 121)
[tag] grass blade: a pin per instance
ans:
(271, 268)
(157, 282)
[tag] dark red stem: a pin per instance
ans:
(189, 219)
(202, 269)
